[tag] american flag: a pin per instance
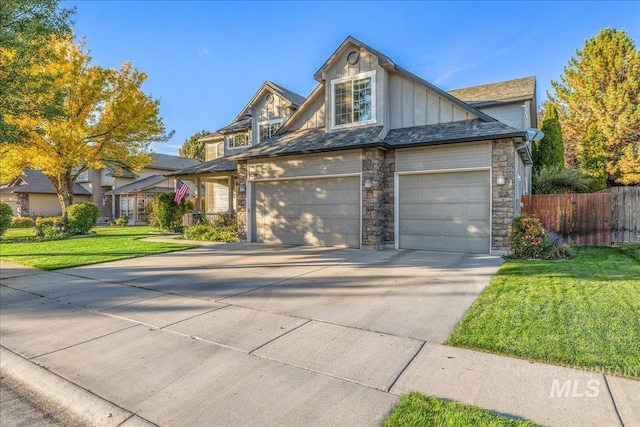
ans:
(105, 199)
(181, 191)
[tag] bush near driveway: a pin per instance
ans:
(82, 217)
(5, 217)
(212, 233)
(581, 312)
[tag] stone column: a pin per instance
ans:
(373, 183)
(22, 204)
(389, 198)
(241, 211)
(502, 213)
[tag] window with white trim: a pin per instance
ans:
(238, 140)
(83, 177)
(353, 100)
(268, 128)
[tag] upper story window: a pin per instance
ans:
(83, 177)
(238, 140)
(353, 100)
(268, 128)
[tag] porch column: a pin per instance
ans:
(230, 181)
(196, 208)
(135, 209)
(113, 206)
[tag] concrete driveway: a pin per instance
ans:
(242, 334)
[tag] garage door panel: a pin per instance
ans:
(322, 211)
(445, 211)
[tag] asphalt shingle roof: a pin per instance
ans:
(445, 133)
(313, 141)
(34, 181)
(168, 162)
(217, 165)
(317, 140)
(143, 185)
(295, 99)
(494, 93)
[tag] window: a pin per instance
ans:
(353, 100)
(83, 177)
(126, 206)
(238, 140)
(268, 128)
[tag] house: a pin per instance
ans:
(32, 194)
(258, 121)
(376, 157)
(117, 190)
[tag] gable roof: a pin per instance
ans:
(497, 93)
(385, 62)
(291, 97)
(168, 162)
(144, 185)
(317, 140)
(34, 181)
(212, 166)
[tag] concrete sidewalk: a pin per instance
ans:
(115, 352)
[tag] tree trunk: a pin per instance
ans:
(64, 189)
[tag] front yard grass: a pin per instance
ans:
(581, 312)
(108, 244)
(417, 410)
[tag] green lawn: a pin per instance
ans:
(580, 312)
(420, 411)
(108, 244)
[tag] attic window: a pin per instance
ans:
(268, 128)
(353, 100)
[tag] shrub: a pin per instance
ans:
(5, 217)
(557, 180)
(22, 222)
(530, 240)
(168, 213)
(49, 227)
(82, 217)
(212, 233)
(150, 215)
(122, 221)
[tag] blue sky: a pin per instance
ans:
(206, 59)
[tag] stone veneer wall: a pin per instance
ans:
(373, 165)
(503, 162)
(389, 194)
(241, 208)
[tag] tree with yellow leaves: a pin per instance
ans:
(107, 119)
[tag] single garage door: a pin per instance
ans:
(317, 212)
(445, 211)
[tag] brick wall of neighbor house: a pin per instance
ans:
(503, 161)
(241, 208)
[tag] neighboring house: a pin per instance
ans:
(377, 157)
(118, 191)
(32, 194)
(259, 120)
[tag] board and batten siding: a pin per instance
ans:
(278, 109)
(510, 114)
(338, 163)
(444, 157)
(312, 117)
(411, 104)
(213, 150)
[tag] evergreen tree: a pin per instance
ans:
(601, 85)
(549, 151)
(194, 149)
(592, 158)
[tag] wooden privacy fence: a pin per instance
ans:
(593, 219)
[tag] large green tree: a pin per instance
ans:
(193, 148)
(549, 151)
(592, 158)
(601, 86)
(107, 119)
(26, 27)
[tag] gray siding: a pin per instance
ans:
(343, 162)
(510, 114)
(313, 115)
(411, 104)
(214, 150)
(263, 111)
(444, 157)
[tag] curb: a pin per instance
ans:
(82, 403)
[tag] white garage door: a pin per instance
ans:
(317, 212)
(445, 211)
